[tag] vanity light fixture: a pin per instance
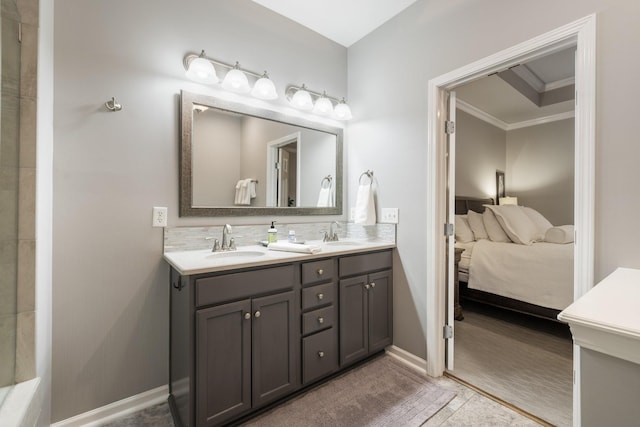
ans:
(303, 99)
(200, 68)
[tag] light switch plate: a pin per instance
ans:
(389, 215)
(159, 217)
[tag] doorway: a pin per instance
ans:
(283, 157)
(582, 34)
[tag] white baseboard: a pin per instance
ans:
(118, 409)
(411, 360)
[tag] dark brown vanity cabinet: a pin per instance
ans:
(366, 305)
(243, 339)
(245, 352)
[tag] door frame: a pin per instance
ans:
(581, 33)
(272, 174)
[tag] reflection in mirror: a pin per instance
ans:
(242, 160)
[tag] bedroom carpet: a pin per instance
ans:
(381, 392)
(524, 361)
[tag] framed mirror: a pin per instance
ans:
(237, 159)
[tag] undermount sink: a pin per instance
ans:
(235, 254)
(343, 243)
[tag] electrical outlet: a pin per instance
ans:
(352, 214)
(389, 215)
(159, 217)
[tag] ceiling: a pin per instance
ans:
(510, 97)
(343, 21)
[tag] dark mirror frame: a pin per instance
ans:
(186, 189)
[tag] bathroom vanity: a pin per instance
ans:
(247, 332)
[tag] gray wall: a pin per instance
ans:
(110, 285)
(540, 169)
(481, 149)
(389, 132)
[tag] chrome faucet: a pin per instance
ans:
(227, 245)
(333, 235)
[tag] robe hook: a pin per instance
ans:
(113, 105)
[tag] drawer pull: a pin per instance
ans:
(320, 272)
(367, 286)
(321, 320)
(321, 354)
(320, 296)
(247, 316)
(373, 284)
(257, 313)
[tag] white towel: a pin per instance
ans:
(365, 211)
(325, 198)
(561, 234)
(294, 247)
(245, 191)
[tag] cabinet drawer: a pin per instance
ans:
(228, 287)
(318, 271)
(318, 319)
(319, 295)
(319, 355)
(358, 264)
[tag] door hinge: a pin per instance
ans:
(277, 166)
(448, 230)
(447, 332)
(450, 127)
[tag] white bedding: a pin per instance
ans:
(540, 273)
(465, 260)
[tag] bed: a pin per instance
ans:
(526, 271)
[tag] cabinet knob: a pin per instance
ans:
(321, 320)
(320, 272)
(257, 313)
(247, 316)
(373, 284)
(320, 296)
(367, 286)
(321, 354)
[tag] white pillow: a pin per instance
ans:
(462, 230)
(538, 219)
(493, 227)
(516, 224)
(477, 225)
(562, 234)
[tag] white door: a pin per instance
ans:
(283, 178)
(451, 186)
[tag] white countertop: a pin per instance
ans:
(607, 318)
(204, 261)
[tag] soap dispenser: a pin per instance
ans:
(272, 233)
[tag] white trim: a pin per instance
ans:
(486, 117)
(118, 409)
(581, 33)
(23, 404)
(559, 83)
(412, 361)
(272, 158)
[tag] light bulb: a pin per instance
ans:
(236, 80)
(201, 70)
(302, 99)
(264, 88)
(323, 105)
(342, 111)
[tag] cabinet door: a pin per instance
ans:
(354, 317)
(380, 295)
(223, 362)
(275, 347)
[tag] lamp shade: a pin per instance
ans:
(236, 80)
(264, 88)
(302, 99)
(323, 105)
(342, 111)
(201, 70)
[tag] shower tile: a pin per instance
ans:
(8, 215)
(8, 291)
(7, 349)
(28, 11)
(8, 178)
(11, 57)
(10, 9)
(25, 346)
(27, 204)
(29, 59)
(27, 133)
(26, 277)
(9, 150)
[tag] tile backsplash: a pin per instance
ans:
(194, 238)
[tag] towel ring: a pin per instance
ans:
(368, 173)
(328, 179)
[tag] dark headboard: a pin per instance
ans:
(465, 204)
